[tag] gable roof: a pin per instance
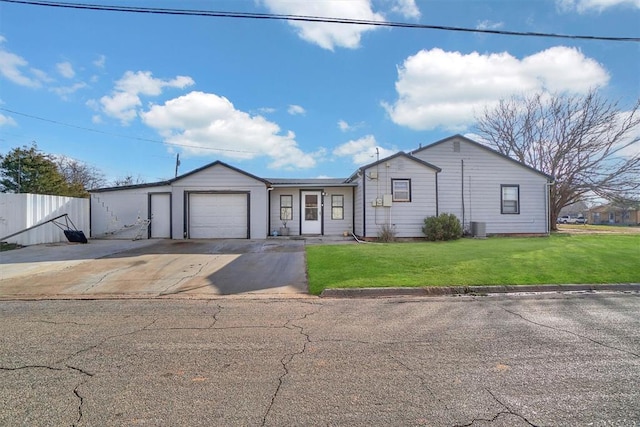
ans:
(216, 163)
(171, 181)
(484, 147)
(393, 156)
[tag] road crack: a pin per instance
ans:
(506, 411)
(287, 358)
(570, 333)
(423, 380)
(182, 280)
(76, 390)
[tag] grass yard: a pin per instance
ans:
(559, 259)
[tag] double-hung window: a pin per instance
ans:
(510, 199)
(401, 190)
(337, 206)
(286, 207)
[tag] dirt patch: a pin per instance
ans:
(597, 229)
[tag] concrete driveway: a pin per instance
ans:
(154, 268)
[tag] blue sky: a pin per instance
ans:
(283, 99)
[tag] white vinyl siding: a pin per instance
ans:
(332, 227)
(115, 213)
(469, 187)
(336, 227)
(406, 217)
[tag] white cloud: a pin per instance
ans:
(328, 35)
(489, 25)
(345, 127)
(125, 99)
(207, 124)
(7, 121)
(267, 110)
(100, 62)
(582, 6)
(65, 91)
(406, 8)
(447, 89)
(66, 70)
(296, 110)
(363, 150)
(15, 68)
(121, 105)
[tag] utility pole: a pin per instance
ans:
(19, 171)
(177, 163)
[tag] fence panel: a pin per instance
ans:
(21, 211)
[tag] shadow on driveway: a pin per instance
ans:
(156, 268)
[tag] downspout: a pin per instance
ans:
(269, 190)
(90, 215)
(364, 205)
(437, 196)
(462, 191)
(353, 210)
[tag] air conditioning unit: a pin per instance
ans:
(479, 230)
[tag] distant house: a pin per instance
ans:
(455, 175)
(613, 214)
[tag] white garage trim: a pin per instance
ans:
(217, 215)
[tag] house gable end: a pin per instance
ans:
(483, 147)
(215, 164)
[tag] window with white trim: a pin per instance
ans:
(337, 206)
(510, 199)
(401, 190)
(286, 207)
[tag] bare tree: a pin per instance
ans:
(589, 145)
(128, 180)
(80, 175)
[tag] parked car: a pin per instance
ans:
(565, 219)
(568, 219)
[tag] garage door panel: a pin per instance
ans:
(218, 216)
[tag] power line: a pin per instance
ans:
(123, 136)
(304, 18)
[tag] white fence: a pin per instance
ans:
(21, 211)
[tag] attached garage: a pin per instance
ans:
(218, 215)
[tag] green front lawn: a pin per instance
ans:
(559, 259)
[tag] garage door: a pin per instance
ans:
(218, 216)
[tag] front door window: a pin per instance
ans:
(311, 207)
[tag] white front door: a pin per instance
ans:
(311, 212)
(160, 215)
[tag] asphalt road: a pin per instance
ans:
(516, 360)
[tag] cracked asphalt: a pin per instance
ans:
(510, 360)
